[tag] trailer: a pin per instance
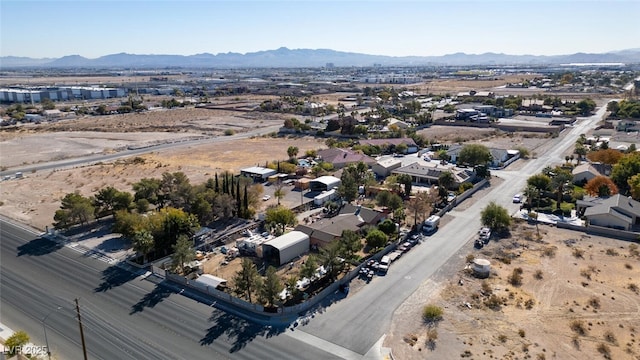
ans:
(431, 224)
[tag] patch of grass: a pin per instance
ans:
(633, 250)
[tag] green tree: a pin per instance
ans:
(271, 287)
(586, 106)
(407, 181)
(446, 180)
(16, 341)
(634, 186)
(541, 182)
(74, 209)
(495, 217)
(292, 151)
(147, 188)
(628, 166)
(183, 252)
(383, 198)
(172, 224)
(143, 243)
(247, 280)
(127, 223)
(280, 217)
(309, 267)
(351, 243)
(474, 154)
(560, 180)
(376, 239)
(348, 188)
(387, 226)
(331, 259)
(279, 191)
(581, 151)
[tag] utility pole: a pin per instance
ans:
(84, 346)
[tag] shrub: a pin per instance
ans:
(502, 338)
(604, 350)
(633, 287)
(493, 302)
(612, 252)
(529, 304)
(610, 337)
(549, 251)
(538, 275)
(515, 278)
(432, 313)
(521, 333)
(486, 288)
(628, 266)
(578, 327)
(594, 302)
(229, 132)
(578, 253)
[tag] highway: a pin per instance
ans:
(124, 316)
(96, 158)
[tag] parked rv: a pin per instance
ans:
(431, 224)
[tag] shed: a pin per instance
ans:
(286, 247)
(211, 281)
(324, 183)
(258, 173)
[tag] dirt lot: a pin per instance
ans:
(35, 198)
(578, 298)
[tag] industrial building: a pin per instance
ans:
(61, 93)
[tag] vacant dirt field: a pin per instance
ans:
(578, 297)
(35, 198)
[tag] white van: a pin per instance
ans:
(431, 224)
(383, 267)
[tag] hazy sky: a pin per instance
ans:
(379, 27)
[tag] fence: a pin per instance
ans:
(603, 231)
(462, 197)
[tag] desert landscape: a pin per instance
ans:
(576, 296)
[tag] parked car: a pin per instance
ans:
(517, 198)
(266, 197)
(484, 234)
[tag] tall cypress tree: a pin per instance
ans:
(217, 188)
(246, 203)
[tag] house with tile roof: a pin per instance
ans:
(343, 157)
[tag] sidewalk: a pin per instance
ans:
(550, 218)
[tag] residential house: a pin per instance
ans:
(617, 211)
(499, 157)
(396, 122)
(350, 217)
(343, 157)
(383, 168)
(428, 174)
(584, 172)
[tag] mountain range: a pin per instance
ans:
(284, 57)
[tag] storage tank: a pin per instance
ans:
(481, 268)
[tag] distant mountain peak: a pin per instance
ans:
(285, 57)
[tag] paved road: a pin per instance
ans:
(358, 323)
(124, 316)
(92, 159)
